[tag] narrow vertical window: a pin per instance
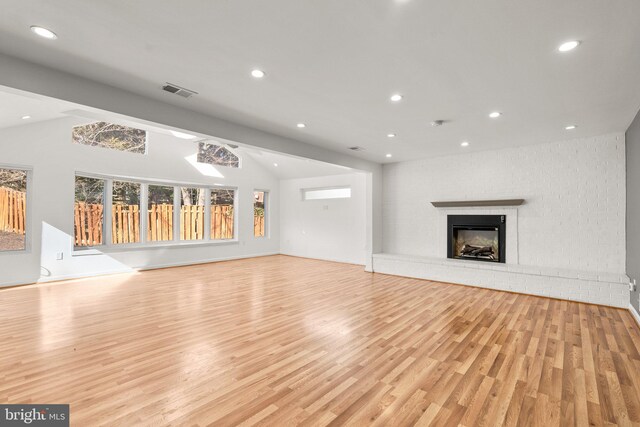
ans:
(192, 213)
(259, 213)
(125, 212)
(13, 209)
(89, 211)
(222, 201)
(160, 212)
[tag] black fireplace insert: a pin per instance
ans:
(476, 237)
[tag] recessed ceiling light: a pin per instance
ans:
(301, 125)
(570, 127)
(43, 32)
(495, 114)
(388, 155)
(26, 117)
(391, 135)
(275, 164)
(258, 74)
(567, 46)
(396, 97)
(182, 135)
(464, 144)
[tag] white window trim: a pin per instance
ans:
(108, 246)
(146, 138)
(267, 213)
(226, 147)
(29, 200)
(303, 192)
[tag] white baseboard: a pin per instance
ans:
(207, 261)
(340, 260)
(133, 269)
(634, 314)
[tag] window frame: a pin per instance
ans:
(304, 191)
(27, 220)
(235, 211)
(144, 244)
(267, 213)
(146, 138)
(223, 146)
(106, 217)
(142, 223)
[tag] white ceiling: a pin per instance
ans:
(290, 167)
(333, 65)
(13, 107)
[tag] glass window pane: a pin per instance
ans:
(113, 136)
(214, 154)
(13, 209)
(160, 208)
(327, 193)
(192, 213)
(89, 211)
(222, 201)
(259, 214)
(125, 212)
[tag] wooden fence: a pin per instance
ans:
(222, 222)
(88, 219)
(258, 225)
(125, 223)
(13, 208)
(160, 226)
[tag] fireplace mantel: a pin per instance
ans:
(477, 203)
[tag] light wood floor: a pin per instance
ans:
(283, 341)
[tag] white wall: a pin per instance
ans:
(47, 148)
(574, 216)
(333, 229)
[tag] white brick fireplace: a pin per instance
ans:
(566, 241)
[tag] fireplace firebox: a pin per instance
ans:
(476, 237)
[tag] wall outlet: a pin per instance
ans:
(632, 285)
(59, 256)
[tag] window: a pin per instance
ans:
(217, 155)
(89, 211)
(137, 213)
(222, 202)
(192, 213)
(13, 209)
(125, 212)
(259, 212)
(109, 135)
(326, 193)
(160, 213)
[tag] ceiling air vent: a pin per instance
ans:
(356, 148)
(175, 89)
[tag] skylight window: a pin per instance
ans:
(217, 155)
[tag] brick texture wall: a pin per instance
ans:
(574, 216)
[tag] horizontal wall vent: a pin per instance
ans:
(177, 90)
(356, 148)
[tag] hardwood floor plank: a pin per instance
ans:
(288, 341)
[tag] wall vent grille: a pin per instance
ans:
(177, 90)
